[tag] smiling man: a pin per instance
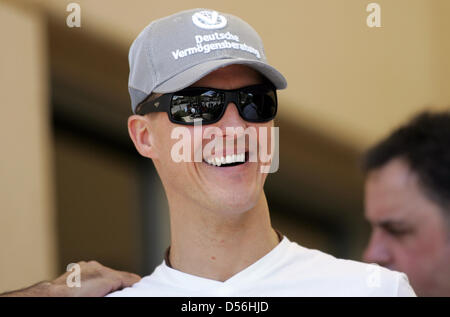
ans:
(201, 65)
(407, 201)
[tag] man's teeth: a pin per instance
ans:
(234, 158)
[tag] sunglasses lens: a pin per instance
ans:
(204, 105)
(258, 106)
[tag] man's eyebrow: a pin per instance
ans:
(393, 225)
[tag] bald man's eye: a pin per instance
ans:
(398, 232)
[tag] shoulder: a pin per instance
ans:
(342, 277)
(149, 285)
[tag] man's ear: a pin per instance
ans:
(142, 136)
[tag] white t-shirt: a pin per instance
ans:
(288, 270)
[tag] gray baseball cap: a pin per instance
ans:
(174, 52)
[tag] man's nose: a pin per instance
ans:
(377, 251)
(231, 118)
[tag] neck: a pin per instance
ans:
(216, 246)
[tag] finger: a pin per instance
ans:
(120, 279)
(128, 278)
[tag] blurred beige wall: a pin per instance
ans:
(27, 242)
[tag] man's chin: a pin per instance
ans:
(234, 189)
(235, 201)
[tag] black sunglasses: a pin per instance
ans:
(257, 103)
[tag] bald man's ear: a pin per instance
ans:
(143, 137)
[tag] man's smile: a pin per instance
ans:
(227, 160)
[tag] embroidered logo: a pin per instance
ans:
(209, 20)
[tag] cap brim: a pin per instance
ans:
(195, 73)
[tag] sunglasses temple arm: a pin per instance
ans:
(160, 104)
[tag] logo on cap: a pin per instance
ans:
(209, 20)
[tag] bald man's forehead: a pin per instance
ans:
(396, 173)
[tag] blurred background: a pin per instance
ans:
(72, 186)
